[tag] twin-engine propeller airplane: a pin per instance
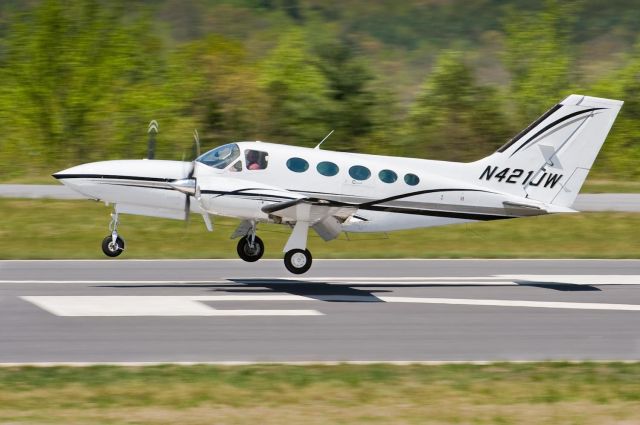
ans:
(539, 171)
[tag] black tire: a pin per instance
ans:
(297, 263)
(109, 249)
(247, 253)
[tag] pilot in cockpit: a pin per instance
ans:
(256, 160)
(253, 160)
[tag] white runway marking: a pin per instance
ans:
(596, 280)
(515, 303)
(422, 300)
(119, 306)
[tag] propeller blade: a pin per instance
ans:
(189, 186)
(187, 208)
(196, 141)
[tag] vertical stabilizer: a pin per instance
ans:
(550, 159)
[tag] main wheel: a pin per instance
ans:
(298, 261)
(249, 253)
(110, 249)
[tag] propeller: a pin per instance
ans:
(196, 191)
(189, 185)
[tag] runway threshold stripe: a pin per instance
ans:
(121, 306)
(127, 306)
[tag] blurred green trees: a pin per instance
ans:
(81, 79)
(539, 57)
(454, 117)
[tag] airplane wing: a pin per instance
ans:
(325, 217)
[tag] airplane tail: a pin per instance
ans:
(549, 160)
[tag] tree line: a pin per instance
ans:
(80, 80)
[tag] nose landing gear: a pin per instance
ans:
(113, 244)
(250, 248)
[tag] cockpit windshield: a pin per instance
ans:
(220, 157)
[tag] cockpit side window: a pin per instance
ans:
(220, 157)
(256, 160)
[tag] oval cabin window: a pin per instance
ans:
(388, 176)
(358, 172)
(327, 168)
(411, 179)
(297, 165)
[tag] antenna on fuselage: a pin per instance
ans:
(325, 138)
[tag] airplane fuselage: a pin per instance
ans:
(390, 193)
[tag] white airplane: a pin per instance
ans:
(539, 171)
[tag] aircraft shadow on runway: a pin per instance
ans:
(557, 286)
(330, 292)
(338, 292)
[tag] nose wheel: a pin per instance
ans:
(249, 251)
(113, 244)
(298, 261)
(112, 247)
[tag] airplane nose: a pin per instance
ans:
(83, 170)
(127, 181)
(76, 178)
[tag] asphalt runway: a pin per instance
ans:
(132, 311)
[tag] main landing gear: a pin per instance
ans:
(297, 261)
(113, 244)
(297, 258)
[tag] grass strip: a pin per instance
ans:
(44, 229)
(502, 393)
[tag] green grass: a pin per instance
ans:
(523, 394)
(32, 229)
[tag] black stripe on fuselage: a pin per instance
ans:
(420, 192)
(107, 176)
(141, 185)
(438, 213)
(242, 193)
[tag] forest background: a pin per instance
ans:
(441, 79)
